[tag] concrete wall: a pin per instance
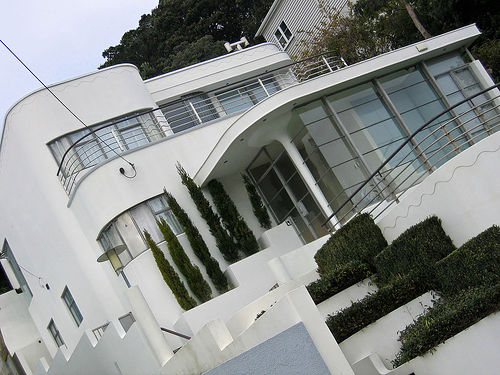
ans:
(464, 193)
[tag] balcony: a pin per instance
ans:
(81, 150)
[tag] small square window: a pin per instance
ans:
(55, 333)
(72, 307)
(283, 35)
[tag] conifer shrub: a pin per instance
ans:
(359, 240)
(170, 276)
(448, 317)
(224, 242)
(194, 278)
(198, 245)
(360, 314)
(416, 249)
(232, 219)
(258, 207)
(338, 280)
(476, 263)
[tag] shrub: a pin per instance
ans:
(447, 318)
(194, 278)
(339, 279)
(232, 219)
(477, 262)
(359, 240)
(258, 207)
(198, 245)
(374, 306)
(170, 276)
(224, 242)
(418, 248)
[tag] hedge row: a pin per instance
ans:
(223, 240)
(338, 280)
(359, 240)
(373, 307)
(198, 244)
(447, 318)
(194, 278)
(477, 262)
(170, 276)
(232, 220)
(418, 248)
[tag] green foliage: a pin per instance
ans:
(359, 240)
(338, 280)
(194, 278)
(447, 318)
(258, 208)
(489, 54)
(170, 276)
(224, 242)
(182, 32)
(477, 262)
(418, 248)
(232, 219)
(388, 298)
(198, 245)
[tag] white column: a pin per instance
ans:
(150, 327)
(306, 175)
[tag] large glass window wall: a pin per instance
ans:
(347, 135)
(127, 228)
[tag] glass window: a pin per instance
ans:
(126, 321)
(72, 307)
(160, 209)
(283, 35)
(55, 333)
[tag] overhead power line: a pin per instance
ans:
(64, 105)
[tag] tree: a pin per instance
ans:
(170, 276)
(258, 207)
(224, 242)
(182, 32)
(232, 219)
(198, 244)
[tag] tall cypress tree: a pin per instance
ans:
(193, 276)
(258, 207)
(198, 244)
(224, 241)
(170, 276)
(232, 219)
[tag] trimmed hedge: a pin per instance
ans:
(258, 207)
(232, 220)
(338, 280)
(170, 276)
(198, 245)
(417, 249)
(447, 318)
(223, 240)
(359, 240)
(477, 262)
(194, 278)
(374, 306)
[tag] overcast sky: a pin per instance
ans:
(58, 39)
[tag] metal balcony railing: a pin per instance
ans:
(92, 146)
(448, 134)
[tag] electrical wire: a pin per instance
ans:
(32, 274)
(64, 105)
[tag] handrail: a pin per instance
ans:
(401, 146)
(295, 63)
(175, 333)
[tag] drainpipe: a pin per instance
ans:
(149, 326)
(306, 175)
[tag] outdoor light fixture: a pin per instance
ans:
(116, 263)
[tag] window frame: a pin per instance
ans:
(282, 31)
(70, 303)
(55, 333)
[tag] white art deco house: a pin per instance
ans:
(77, 194)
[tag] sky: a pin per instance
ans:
(58, 39)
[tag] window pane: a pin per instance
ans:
(131, 236)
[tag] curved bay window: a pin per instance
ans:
(127, 228)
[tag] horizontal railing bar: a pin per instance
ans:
(175, 333)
